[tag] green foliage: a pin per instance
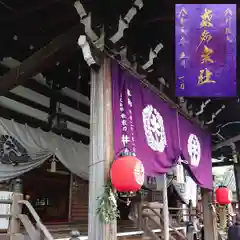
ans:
(107, 209)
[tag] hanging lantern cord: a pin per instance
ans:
(121, 152)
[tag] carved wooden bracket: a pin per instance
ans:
(124, 22)
(152, 55)
(86, 19)
(86, 50)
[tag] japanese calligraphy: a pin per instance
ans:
(205, 77)
(206, 37)
(206, 18)
(183, 59)
(206, 55)
(129, 94)
(182, 86)
(182, 83)
(183, 31)
(125, 140)
(124, 122)
(123, 116)
(183, 14)
(228, 20)
(229, 38)
(228, 31)
(124, 127)
(182, 41)
(129, 102)
(228, 15)
(121, 104)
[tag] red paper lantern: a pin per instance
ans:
(223, 195)
(127, 174)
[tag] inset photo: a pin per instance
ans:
(205, 50)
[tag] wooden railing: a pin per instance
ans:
(36, 231)
(148, 217)
(17, 218)
(145, 215)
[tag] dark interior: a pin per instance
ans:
(48, 192)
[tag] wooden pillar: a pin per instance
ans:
(165, 210)
(14, 225)
(101, 148)
(209, 217)
(237, 181)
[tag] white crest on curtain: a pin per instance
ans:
(194, 150)
(23, 148)
(153, 125)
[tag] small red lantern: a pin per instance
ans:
(127, 174)
(223, 195)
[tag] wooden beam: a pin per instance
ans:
(227, 142)
(39, 60)
(47, 92)
(35, 123)
(222, 164)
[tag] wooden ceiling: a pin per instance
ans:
(64, 80)
(29, 25)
